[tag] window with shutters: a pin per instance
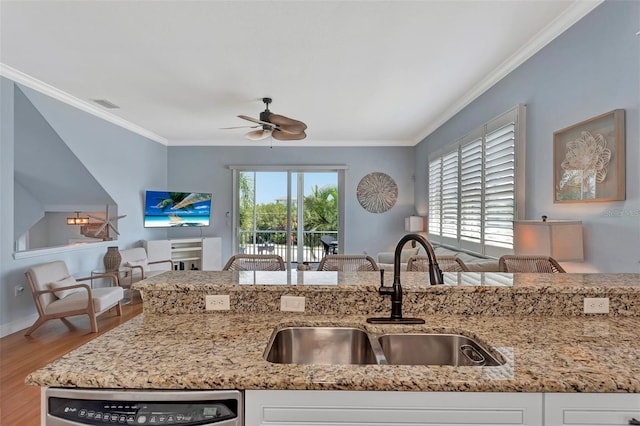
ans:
(477, 185)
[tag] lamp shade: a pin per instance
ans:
(414, 224)
(559, 239)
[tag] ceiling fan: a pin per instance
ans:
(274, 125)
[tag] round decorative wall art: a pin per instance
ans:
(377, 192)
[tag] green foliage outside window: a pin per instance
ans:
(320, 214)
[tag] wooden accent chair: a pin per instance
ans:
(420, 263)
(516, 263)
(136, 259)
(255, 262)
(58, 295)
(347, 262)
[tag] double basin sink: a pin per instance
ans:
(349, 345)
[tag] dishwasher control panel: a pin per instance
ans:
(137, 410)
(139, 413)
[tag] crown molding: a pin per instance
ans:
(564, 21)
(307, 143)
(46, 89)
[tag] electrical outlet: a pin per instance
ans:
(292, 303)
(18, 290)
(596, 305)
(217, 302)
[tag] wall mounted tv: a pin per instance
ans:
(174, 209)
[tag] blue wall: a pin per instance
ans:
(207, 169)
(591, 69)
(124, 163)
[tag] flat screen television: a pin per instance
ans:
(172, 209)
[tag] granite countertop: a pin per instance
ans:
(544, 353)
(356, 293)
(226, 352)
(332, 281)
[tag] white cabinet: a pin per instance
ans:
(187, 253)
(360, 408)
(587, 409)
(211, 254)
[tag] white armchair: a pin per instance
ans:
(58, 295)
(136, 259)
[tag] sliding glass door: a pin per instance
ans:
(287, 212)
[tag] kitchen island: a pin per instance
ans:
(533, 321)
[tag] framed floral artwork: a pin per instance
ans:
(589, 160)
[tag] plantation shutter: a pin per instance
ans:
(435, 198)
(450, 197)
(500, 182)
(474, 189)
(471, 172)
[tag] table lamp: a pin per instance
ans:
(414, 224)
(559, 239)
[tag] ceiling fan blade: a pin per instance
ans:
(284, 136)
(258, 135)
(255, 120)
(240, 127)
(286, 124)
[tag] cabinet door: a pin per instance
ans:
(212, 254)
(305, 408)
(586, 409)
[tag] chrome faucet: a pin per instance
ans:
(395, 291)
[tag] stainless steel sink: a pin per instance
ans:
(320, 345)
(435, 349)
(349, 345)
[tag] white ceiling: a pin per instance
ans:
(357, 72)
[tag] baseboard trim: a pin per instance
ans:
(20, 324)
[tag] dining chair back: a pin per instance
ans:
(255, 262)
(519, 263)
(347, 262)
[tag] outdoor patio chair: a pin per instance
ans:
(330, 244)
(420, 263)
(347, 262)
(255, 262)
(518, 263)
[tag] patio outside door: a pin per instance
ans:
(287, 213)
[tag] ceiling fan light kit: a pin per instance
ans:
(277, 126)
(258, 135)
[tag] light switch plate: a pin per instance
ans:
(292, 303)
(218, 302)
(596, 305)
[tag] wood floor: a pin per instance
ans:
(20, 355)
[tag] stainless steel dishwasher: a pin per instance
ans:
(70, 406)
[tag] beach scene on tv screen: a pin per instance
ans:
(168, 209)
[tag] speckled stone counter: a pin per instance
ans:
(356, 293)
(225, 351)
(533, 321)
